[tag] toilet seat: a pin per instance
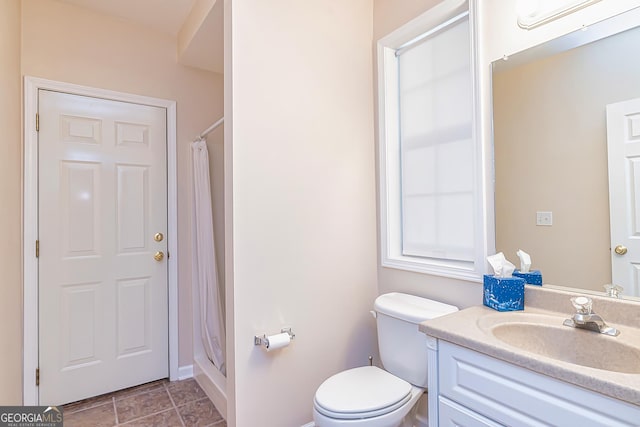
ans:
(359, 393)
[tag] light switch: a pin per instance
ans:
(544, 218)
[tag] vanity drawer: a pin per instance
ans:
(454, 415)
(515, 396)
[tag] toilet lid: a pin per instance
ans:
(362, 392)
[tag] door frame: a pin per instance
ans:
(30, 221)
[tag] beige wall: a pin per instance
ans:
(11, 202)
(389, 15)
(66, 43)
(551, 154)
(304, 248)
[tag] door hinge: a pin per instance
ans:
(37, 248)
(37, 122)
(37, 376)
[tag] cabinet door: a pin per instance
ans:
(515, 396)
(454, 415)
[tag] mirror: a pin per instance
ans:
(550, 149)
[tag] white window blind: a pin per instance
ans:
(431, 165)
(436, 145)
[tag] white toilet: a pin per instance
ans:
(372, 397)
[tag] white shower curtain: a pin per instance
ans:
(211, 320)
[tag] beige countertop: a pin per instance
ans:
(469, 328)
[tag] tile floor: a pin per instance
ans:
(160, 403)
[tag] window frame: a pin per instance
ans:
(389, 189)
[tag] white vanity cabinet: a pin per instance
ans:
(468, 388)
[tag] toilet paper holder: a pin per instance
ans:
(264, 339)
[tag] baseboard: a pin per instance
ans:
(185, 372)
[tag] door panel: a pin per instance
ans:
(133, 203)
(103, 316)
(80, 304)
(80, 208)
(134, 320)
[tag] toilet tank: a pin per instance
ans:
(402, 347)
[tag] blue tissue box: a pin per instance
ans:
(534, 277)
(504, 293)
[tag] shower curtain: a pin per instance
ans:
(211, 320)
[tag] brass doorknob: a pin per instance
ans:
(620, 250)
(158, 237)
(159, 256)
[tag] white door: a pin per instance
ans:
(623, 140)
(103, 303)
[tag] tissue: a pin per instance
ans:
(502, 291)
(531, 277)
(501, 266)
(525, 261)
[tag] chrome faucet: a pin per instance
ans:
(612, 290)
(584, 318)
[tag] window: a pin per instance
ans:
(430, 175)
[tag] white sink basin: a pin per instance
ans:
(546, 336)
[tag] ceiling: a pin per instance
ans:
(204, 45)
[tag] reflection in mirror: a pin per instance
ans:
(550, 150)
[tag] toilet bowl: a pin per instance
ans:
(373, 397)
(365, 396)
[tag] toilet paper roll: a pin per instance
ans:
(275, 342)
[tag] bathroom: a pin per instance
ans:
(300, 184)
